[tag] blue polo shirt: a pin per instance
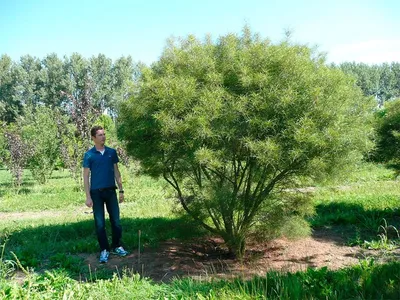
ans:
(101, 167)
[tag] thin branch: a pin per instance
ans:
(219, 174)
(182, 200)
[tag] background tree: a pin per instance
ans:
(3, 145)
(40, 136)
(55, 79)
(388, 135)
(76, 138)
(368, 77)
(30, 81)
(123, 72)
(387, 83)
(10, 106)
(71, 146)
(16, 153)
(380, 81)
(395, 67)
(232, 125)
(105, 83)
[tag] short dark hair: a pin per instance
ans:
(94, 130)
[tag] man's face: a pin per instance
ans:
(100, 137)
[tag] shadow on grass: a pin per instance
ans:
(60, 174)
(25, 187)
(64, 246)
(27, 183)
(353, 223)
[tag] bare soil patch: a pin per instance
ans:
(208, 258)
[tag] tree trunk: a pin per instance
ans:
(236, 245)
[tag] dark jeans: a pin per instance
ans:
(109, 198)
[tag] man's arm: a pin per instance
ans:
(86, 173)
(118, 179)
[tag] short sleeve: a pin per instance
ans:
(115, 157)
(86, 160)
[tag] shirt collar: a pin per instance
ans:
(95, 150)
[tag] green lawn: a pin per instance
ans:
(361, 206)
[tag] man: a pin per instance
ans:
(100, 163)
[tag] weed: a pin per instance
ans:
(384, 242)
(7, 266)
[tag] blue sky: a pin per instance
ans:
(363, 31)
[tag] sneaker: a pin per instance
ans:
(104, 256)
(120, 251)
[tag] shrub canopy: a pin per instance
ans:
(231, 123)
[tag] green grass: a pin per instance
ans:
(364, 281)
(67, 226)
(144, 195)
(60, 192)
(47, 227)
(360, 207)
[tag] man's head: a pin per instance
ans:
(98, 135)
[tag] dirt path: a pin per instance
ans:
(41, 214)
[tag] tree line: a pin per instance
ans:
(380, 81)
(52, 82)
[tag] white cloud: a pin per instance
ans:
(370, 52)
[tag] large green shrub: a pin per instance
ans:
(232, 124)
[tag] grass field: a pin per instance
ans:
(43, 228)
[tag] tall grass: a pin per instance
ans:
(365, 281)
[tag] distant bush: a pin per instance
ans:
(388, 135)
(40, 135)
(13, 152)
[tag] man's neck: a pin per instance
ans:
(99, 147)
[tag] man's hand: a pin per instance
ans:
(89, 202)
(121, 197)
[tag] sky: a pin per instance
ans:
(365, 31)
